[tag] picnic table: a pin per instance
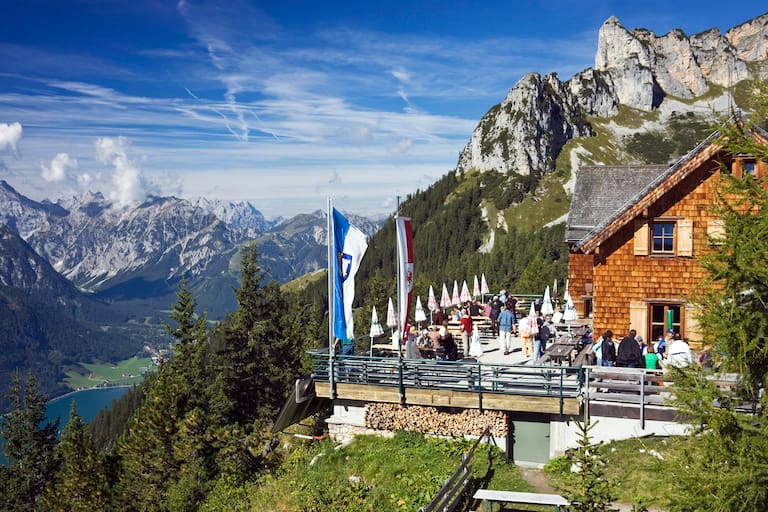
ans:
(561, 350)
(528, 498)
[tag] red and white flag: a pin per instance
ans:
(405, 262)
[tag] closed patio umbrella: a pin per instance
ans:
(465, 296)
(546, 304)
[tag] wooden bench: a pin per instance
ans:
(525, 498)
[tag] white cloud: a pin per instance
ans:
(84, 180)
(129, 184)
(57, 171)
(10, 135)
(402, 147)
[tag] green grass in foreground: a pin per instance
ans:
(370, 474)
(128, 372)
(635, 465)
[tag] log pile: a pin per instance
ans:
(430, 420)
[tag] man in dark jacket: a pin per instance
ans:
(608, 349)
(629, 354)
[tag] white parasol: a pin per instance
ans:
(476, 288)
(465, 296)
(455, 299)
(532, 321)
(554, 293)
(391, 315)
(376, 329)
(418, 313)
(484, 285)
(445, 299)
(570, 313)
(546, 304)
(431, 301)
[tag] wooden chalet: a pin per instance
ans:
(634, 235)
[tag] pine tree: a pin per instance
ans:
(148, 465)
(29, 446)
(588, 487)
(80, 483)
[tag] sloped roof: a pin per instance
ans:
(601, 191)
(650, 193)
(613, 216)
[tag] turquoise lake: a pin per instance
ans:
(88, 402)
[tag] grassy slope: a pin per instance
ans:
(399, 474)
(636, 467)
(127, 372)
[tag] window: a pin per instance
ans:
(663, 238)
(664, 316)
(743, 166)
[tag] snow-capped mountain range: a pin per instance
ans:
(142, 250)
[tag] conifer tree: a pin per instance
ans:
(721, 466)
(588, 487)
(259, 358)
(148, 465)
(191, 336)
(29, 446)
(80, 484)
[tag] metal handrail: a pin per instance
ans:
(469, 376)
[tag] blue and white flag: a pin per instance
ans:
(349, 246)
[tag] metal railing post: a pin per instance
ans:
(642, 399)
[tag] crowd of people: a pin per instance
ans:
(501, 312)
(633, 352)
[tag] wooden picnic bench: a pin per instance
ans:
(488, 496)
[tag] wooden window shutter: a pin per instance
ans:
(641, 237)
(736, 168)
(685, 237)
(716, 230)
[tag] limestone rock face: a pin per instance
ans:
(642, 67)
(525, 131)
(592, 90)
(638, 69)
(750, 39)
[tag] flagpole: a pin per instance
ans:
(331, 295)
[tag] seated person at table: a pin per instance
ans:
(451, 351)
(434, 336)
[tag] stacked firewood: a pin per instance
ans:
(382, 416)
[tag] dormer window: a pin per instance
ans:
(749, 168)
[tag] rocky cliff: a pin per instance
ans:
(635, 69)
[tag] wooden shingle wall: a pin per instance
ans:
(621, 276)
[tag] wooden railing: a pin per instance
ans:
(454, 489)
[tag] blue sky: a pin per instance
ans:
(282, 103)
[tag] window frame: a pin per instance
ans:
(653, 237)
(655, 329)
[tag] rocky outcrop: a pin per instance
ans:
(526, 131)
(638, 69)
(642, 67)
(594, 93)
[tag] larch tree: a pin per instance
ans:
(722, 466)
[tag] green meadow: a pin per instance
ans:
(127, 372)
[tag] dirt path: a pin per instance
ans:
(538, 479)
